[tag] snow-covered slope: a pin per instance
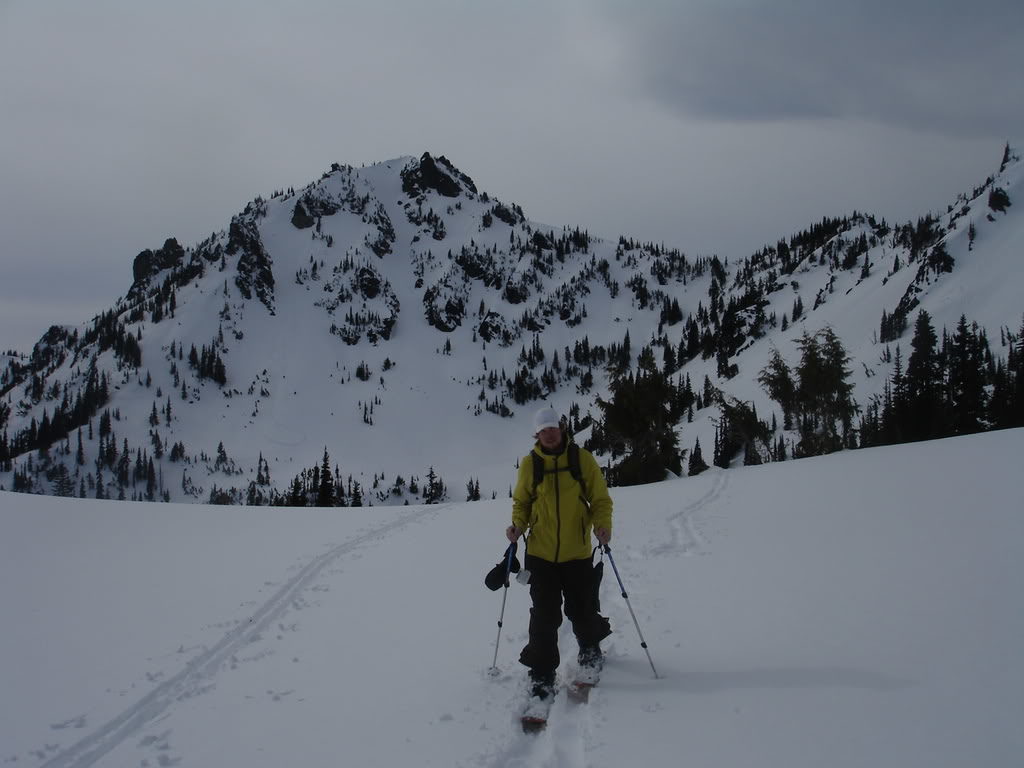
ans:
(861, 609)
(405, 321)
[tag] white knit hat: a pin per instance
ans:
(544, 418)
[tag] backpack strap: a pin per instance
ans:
(572, 452)
(573, 455)
(538, 470)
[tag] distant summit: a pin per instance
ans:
(438, 175)
(384, 334)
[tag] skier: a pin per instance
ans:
(560, 500)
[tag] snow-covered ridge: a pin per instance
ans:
(407, 323)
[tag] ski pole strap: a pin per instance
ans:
(509, 554)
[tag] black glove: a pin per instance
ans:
(495, 578)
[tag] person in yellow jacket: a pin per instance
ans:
(561, 515)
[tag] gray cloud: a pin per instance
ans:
(124, 123)
(932, 65)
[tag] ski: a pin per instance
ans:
(533, 723)
(535, 715)
(587, 676)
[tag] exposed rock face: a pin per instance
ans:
(301, 218)
(444, 309)
(494, 327)
(149, 263)
(362, 302)
(255, 267)
(368, 282)
(439, 175)
(312, 204)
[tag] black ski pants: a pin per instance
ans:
(549, 583)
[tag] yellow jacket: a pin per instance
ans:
(558, 518)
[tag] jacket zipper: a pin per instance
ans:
(558, 514)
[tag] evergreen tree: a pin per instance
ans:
(697, 463)
(739, 429)
(923, 382)
(750, 455)
(1015, 366)
(894, 419)
(819, 394)
(297, 494)
(637, 422)
(966, 399)
(824, 393)
(435, 491)
(777, 380)
(325, 487)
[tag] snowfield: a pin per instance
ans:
(862, 609)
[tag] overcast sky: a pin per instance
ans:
(715, 127)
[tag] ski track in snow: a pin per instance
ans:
(684, 536)
(569, 734)
(200, 672)
(562, 744)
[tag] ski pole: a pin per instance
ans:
(509, 554)
(643, 643)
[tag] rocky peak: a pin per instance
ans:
(149, 263)
(438, 175)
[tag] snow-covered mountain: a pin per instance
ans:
(407, 324)
(797, 618)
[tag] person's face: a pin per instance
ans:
(550, 438)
